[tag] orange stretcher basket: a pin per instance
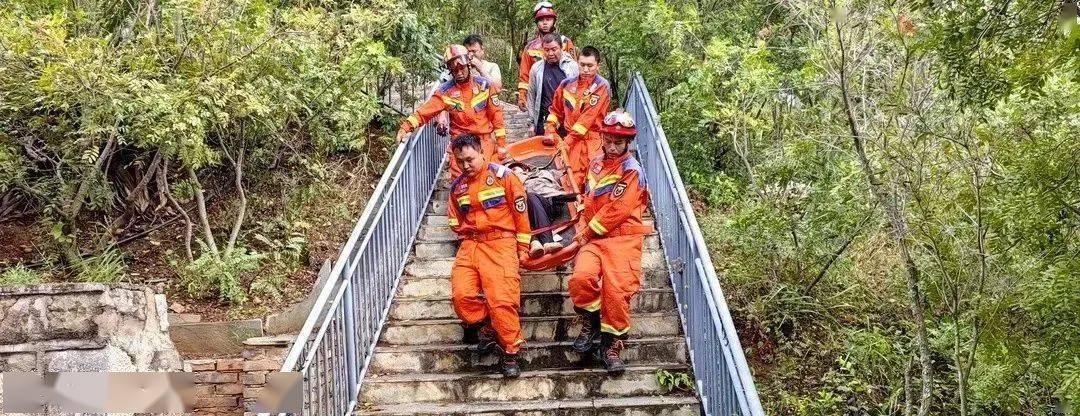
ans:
(550, 152)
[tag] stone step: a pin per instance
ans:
(532, 304)
(432, 284)
(427, 249)
(533, 328)
(650, 260)
(555, 384)
(617, 406)
(450, 358)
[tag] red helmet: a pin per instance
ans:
(544, 9)
(455, 55)
(618, 123)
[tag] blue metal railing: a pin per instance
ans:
(724, 382)
(336, 343)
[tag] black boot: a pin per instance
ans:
(610, 353)
(486, 341)
(472, 333)
(590, 330)
(509, 366)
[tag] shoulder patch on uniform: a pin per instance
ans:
(620, 189)
(446, 86)
(569, 81)
(483, 82)
(519, 204)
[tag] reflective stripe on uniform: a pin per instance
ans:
(479, 98)
(592, 307)
(500, 132)
(452, 102)
(579, 129)
(414, 121)
(491, 193)
(452, 222)
(611, 330)
(597, 227)
(524, 238)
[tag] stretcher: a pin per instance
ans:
(550, 152)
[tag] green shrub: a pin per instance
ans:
(208, 275)
(20, 275)
(109, 267)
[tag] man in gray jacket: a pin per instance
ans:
(545, 77)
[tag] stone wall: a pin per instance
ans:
(84, 327)
(230, 386)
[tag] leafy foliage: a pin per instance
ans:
(19, 275)
(114, 113)
(672, 381)
(221, 277)
(968, 120)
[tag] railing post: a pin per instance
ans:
(351, 359)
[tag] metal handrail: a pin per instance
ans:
(725, 384)
(336, 342)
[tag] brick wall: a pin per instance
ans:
(229, 386)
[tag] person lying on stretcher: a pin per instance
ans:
(544, 193)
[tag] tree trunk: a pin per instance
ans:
(238, 180)
(899, 231)
(200, 199)
(188, 226)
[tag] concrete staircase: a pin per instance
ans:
(420, 366)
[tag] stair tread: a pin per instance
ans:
(531, 405)
(528, 345)
(526, 373)
(523, 294)
(543, 318)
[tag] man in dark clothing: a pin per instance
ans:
(553, 76)
(545, 77)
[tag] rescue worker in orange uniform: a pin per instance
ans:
(472, 104)
(488, 210)
(544, 15)
(607, 270)
(579, 106)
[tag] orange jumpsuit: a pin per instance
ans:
(533, 52)
(473, 108)
(580, 106)
(489, 211)
(607, 270)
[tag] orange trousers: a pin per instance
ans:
(489, 267)
(607, 275)
(581, 153)
(487, 142)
